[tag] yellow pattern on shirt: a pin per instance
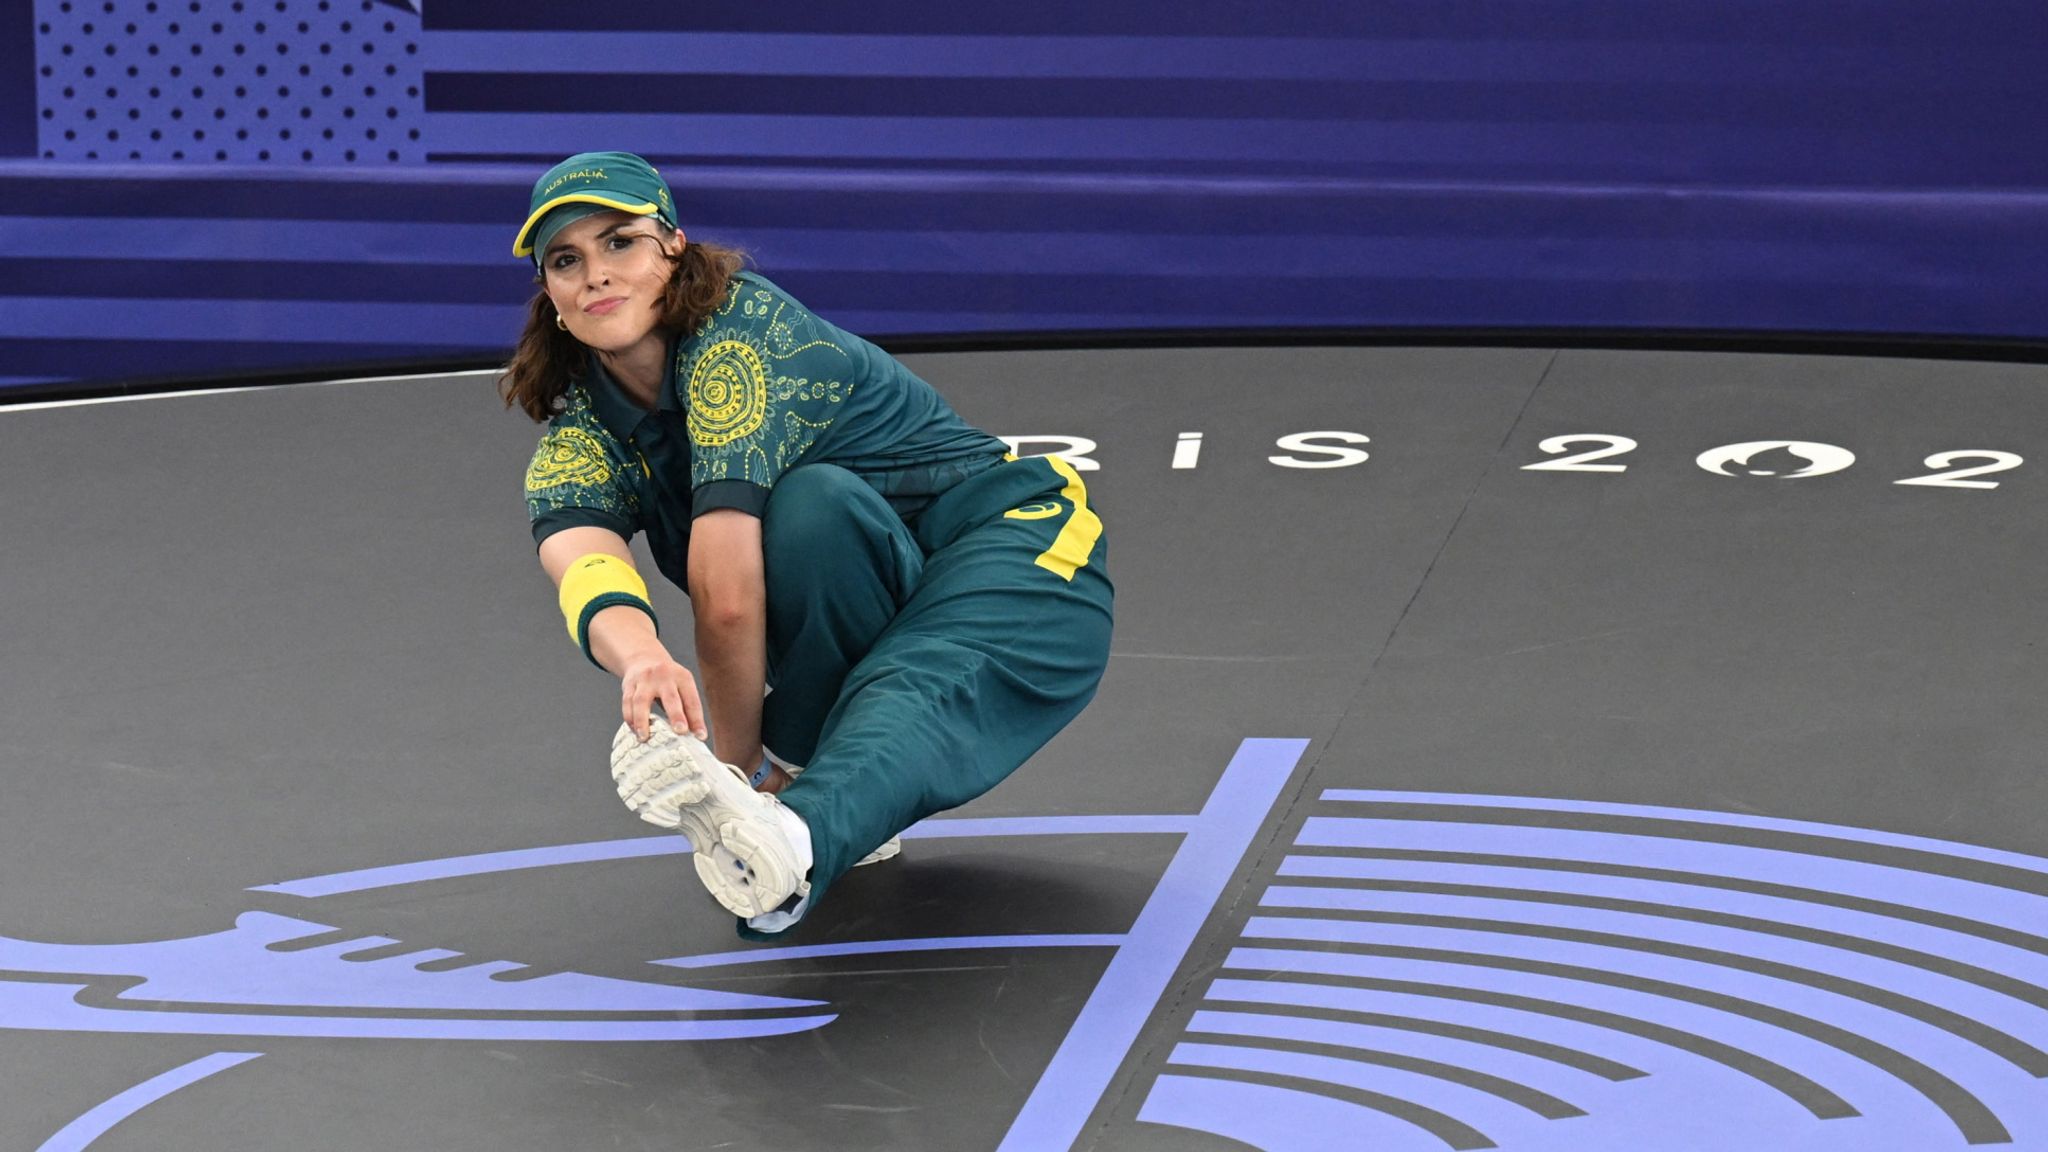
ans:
(567, 456)
(728, 393)
(739, 380)
(577, 465)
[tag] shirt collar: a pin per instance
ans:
(615, 410)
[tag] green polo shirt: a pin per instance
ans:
(762, 387)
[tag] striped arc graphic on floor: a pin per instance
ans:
(1477, 972)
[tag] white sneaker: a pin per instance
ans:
(889, 849)
(752, 851)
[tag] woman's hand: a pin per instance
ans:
(623, 641)
(651, 674)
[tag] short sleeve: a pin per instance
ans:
(577, 478)
(764, 382)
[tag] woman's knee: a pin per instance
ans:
(827, 535)
(811, 506)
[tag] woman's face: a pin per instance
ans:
(606, 273)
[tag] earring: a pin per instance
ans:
(561, 323)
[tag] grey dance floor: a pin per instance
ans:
(1686, 794)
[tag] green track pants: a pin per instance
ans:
(913, 668)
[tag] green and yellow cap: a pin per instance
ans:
(588, 183)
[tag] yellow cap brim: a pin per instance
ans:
(522, 245)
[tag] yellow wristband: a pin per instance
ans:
(593, 583)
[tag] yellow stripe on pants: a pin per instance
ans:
(1070, 550)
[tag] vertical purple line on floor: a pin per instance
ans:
(1138, 974)
(80, 1133)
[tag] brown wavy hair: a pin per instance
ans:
(548, 360)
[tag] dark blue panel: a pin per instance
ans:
(1989, 22)
(284, 280)
(1823, 149)
(146, 190)
(1762, 304)
(1866, 103)
(108, 360)
(17, 78)
(1311, 166)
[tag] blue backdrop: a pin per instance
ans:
(200, 187)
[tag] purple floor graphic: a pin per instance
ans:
(1431, 971)
(245, 967)
(1129, 991)
(309, 984)
(80, 1133)
(1417, 971)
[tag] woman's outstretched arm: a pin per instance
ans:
(623, 640)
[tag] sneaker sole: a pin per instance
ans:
(672, 781)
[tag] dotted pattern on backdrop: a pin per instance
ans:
(287, 82)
